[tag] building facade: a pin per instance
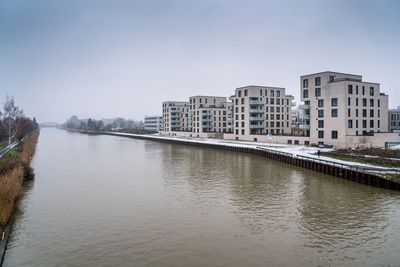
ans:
(210, 114)
(394, 120)
(153, 123)
(261, 110)
(176, 116)
(341, 105)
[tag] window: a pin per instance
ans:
(379, 103)
(356, 102)
(371, 102)
(371, 123)
(364, 123)
(371, 91)
(305, 93)
(305, 83)
(331, 79)
(334, 135)
(356, 89)
(334, 113)
(350, 89)
(350, 124)
(317, 92)
(356, 123)
(271, 101)
(320, 113)
(245, 92)
(278, 93)
(364, 102)
(379, 113)
(334, 102)
(363, 90)
(349, 112)
(364, 113)
(320, 124)
(371, 113)
(320, 134)
(242, 101)
(317, 81)
(320, 103)
(272, 92)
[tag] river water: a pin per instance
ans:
(113, 201)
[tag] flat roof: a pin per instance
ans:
(207, 96)
(328, 71)
(260, 86)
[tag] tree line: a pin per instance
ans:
(102, 125)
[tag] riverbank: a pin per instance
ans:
(296, 155)
(14, 170)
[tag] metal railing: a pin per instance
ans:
(7, 149)
(358, 168)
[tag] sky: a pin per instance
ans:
(123, 58)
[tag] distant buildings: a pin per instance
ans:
(394, 120)
(339, 109)
(153, 123)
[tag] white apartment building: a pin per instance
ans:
(394, 120)
(176, 116)
(261, 110)
(342, 105)
(210, 114)
(153, 123)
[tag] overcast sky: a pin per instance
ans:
(123, 58)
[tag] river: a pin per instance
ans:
(114, 201)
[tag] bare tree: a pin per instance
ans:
(9, 119)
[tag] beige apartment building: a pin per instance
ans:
(342, 105)
(210, 114)
(261, 110)
(176, 116)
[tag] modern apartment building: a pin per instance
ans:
(176, 116)
(153, 123)
(342, 105)
(394, 120)
(210, 114)
(261, 110)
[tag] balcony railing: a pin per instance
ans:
(257, 118)
(256, 126)
(257, 102)
(304, 126)
(304, 117)
(256, 110)
(304, 106)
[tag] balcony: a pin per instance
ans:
(304, 106)
(207, 120)
(304, 126)
(256, 102)
(256, 110)
(304, 117)
(257, 118)
(256, 126)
